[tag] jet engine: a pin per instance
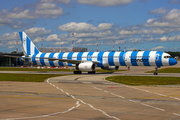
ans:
(86, 66)
(110, 68)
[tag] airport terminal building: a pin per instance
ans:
(9, 61)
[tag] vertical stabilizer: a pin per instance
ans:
(28, 45)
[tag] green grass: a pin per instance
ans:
(144, 80)
(31, 69)
(167, 70)
(26, 77)
(48, 69)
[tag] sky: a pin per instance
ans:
(132, 24)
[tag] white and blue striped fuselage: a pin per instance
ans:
(130, 58)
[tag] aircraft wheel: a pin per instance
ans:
(92, 72)
(155, 73)
(77, 72)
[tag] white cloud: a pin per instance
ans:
(115, 37)
(174, 1)
(174, 38)
(9, 36)
(5, 21)
(119, 42)
(151, 20)
(161, 24)
(60, 43)
(89, 44)
(62, 36)
(10, 47)
(105, 3)
(84, 27)
(95, 34)
(38, 39)
(56, 1)
(35, 31)
(104, 26)
(171, 20)
(52, 13)
(136, 40)
(80, 40)
(163, 38)
(53, 37)
(25, 14)
(13, 42)
(158, 11)
(76, 27)
(142, 31)
(44, 10)
(158, 48)
(46, 6)
(173, 14)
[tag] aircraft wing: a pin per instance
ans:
(53, 59)
(15, 56)
(67, 60)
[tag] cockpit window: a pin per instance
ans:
(167, 57)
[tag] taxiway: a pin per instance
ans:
(89, 97)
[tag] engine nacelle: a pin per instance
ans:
(86, 66)
(110, 68)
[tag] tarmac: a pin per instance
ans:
(90, 97)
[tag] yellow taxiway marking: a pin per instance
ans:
(40, 92)
(16, 95)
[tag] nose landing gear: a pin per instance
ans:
(156, 71)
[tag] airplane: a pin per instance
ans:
(88, 61)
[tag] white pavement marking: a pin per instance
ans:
(47, 115)
(106, 91)
(133, 100)
(73, 97)
(152, 107)
(176, 114)
(103, 112)
(97, 88)
(62, 90)
(67, 93)
(118, 95)
(151, 92)
(174, 98)
(160, 94)
(82, 101)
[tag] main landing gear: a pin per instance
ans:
(156, 71)
(92, 72)
(80, 72)
(77, 72)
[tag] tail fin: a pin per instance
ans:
(28, 45)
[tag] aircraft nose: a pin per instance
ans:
(172, 61)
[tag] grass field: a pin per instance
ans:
(144, 80)
(31, 69)
(167, 70)
(26, 77)
(48, 69)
